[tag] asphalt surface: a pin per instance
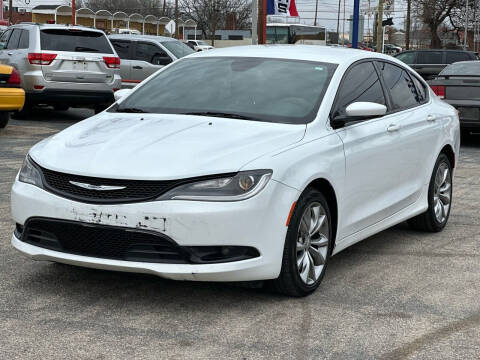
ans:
(397, 295)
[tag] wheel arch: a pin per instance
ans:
(326, 188)
(448, 151)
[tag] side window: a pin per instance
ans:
(24, 40)
(13, 41)
(122, 48)
(430, 57)
(360, 84)
(4, 39)
(402, 89)
(421, 90)
(152, 54)
(407, 57)
(454, 56)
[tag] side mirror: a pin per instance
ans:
(120, 94)
(2, 45)
(358, 111)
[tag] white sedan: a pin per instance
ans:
(240, 164)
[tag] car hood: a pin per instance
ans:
(156, 146)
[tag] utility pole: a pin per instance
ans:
(380, 27)
(407, 25)
(177, 28)
(73, 12)
(338, 21)
(262, 21)
(214, 22)
(255, 22)
(316, 10)
(465, 35)
(10, 12)
(164, 7)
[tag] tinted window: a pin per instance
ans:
(360, 84)
(151, 53)
(122, 48)
(14, 39)
(178, 49)
(421, 89)
(261, 89)
(24, 40)
(74, 41)
(430, 57)
(454, 56)
(401, 86)
(4, 37)
(462, 68)
(407, 57)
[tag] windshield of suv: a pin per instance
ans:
(462, 68)
(75, 41)
(262, 89)
(178, 48)
(201, 42)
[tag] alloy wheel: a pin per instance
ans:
(442, 192)
(312, 243)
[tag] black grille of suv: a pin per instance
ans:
(133, 191)
(108, 242)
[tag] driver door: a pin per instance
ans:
(148, 58)
(372, 153)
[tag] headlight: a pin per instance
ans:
(242, 186)
(30, 174)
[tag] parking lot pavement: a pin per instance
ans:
(399, 294)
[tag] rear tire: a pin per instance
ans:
(4, 117)
(439, 199)
(307, 246)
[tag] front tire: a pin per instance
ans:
(439, 199)
(307, 246)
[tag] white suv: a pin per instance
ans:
(62, 65)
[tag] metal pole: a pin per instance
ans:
(338, 21)
(73, 12)
(177, 28)
(356, 21)
(10, 11)
(343, 27)
(316, 10)
(465, 35)
(380, 26)
(407, 26)
(254, 22)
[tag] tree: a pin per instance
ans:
(433, 13)
(211, 15)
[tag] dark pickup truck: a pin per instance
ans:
(429, 62)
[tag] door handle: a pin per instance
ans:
(431, 118)
(393, 128)
(136, 67)
(10, 53)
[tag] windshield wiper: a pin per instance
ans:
(131, 110)
(220, 114)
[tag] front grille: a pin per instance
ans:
(108, 242)
(134, 190)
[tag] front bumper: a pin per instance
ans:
(258, 222)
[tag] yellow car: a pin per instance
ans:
(12, 97)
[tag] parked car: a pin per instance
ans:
(62, 65)
(287, 156)
(391, 49)
(12, 98)
(142, 55)
(199, 45)
(428, 63)
(459, 85)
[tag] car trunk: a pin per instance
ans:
(79, 56)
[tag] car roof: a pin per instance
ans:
(56, 26)
(141, 37)
(447, 50)
(317, 53)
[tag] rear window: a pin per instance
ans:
(75, 41)
(177, 48)
(454, 56)
(430, 57)
(462, 68)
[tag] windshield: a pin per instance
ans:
(177, 48)
(277, 35)
(462, 68)
(274, 90)
(200, 42)
(75, 41)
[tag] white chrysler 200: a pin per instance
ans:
(240, 164)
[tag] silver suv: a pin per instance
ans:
(142, 55)
(62, 65)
